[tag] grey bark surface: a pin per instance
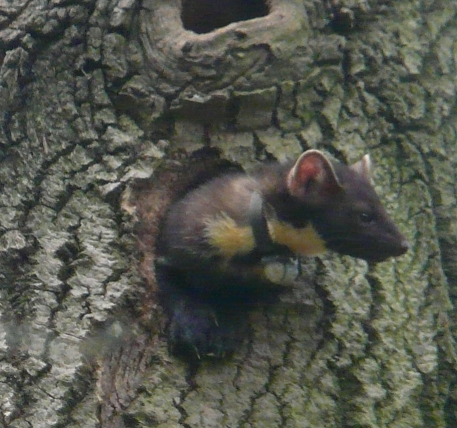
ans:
(97, 94)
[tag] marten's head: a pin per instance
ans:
(344, 208)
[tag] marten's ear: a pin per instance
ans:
(363, 167)
(312, 174)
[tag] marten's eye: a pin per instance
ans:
(366, 217)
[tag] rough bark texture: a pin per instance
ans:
(99, 93)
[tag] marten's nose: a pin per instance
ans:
(404, 246)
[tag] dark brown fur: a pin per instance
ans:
(206, 290)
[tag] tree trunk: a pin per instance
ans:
(104, 106)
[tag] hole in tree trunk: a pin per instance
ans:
(203, 16)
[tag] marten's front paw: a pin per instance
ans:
(280, 271)
(198, 329)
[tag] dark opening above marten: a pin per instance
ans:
(216, 237)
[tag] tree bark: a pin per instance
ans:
(106, 105)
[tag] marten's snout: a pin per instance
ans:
(403, 247)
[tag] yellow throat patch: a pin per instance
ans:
(305, 241)
(229, 239)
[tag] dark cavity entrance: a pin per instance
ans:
(204, 16)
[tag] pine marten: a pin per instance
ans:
(214, 241)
